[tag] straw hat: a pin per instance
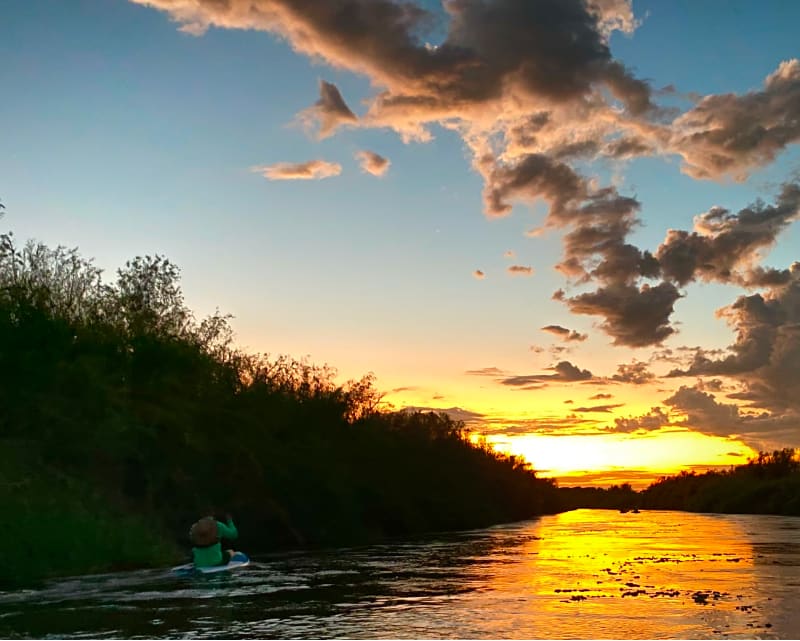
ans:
(204, 532)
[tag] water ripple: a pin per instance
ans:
(584, 574)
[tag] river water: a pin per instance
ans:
(586, 574)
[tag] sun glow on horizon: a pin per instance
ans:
(622, 455)
(554, 432)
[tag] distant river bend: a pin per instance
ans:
(590, 574)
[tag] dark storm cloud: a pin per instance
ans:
(724, 246)
(760, 431)
(526, 83)
(695, 409)
(703, 412)
(634, 316)
(598, 219)
(548, 48)
(565, 334)
(727, 134)
(551, 49)
(710, 385)
(534, 176)
(765, 357)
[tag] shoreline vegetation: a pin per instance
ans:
(767, 484)
(124, 419)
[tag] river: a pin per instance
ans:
(585, 574)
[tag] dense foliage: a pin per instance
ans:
(767, 484)
(118, 388)
(616, 497)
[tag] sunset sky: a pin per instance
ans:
(568, 223)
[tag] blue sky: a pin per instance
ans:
(124, 136)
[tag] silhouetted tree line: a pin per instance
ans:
(767, 484)
(616, 497)
(119, 386)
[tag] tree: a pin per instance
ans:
(148, 298)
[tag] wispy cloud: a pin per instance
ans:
(486, 371)
(309, 170)
(520, 270)
(636, 373)
(599, 408)
(565, 334)
(456, 413)
(563, 371)
(544, 425)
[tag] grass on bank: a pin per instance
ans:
(55, 525)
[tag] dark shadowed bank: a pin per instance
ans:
(123, 418)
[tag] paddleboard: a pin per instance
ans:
(238, 560)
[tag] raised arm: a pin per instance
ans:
(227, 530)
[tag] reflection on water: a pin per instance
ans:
(583, 574)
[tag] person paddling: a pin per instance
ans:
(206, 535)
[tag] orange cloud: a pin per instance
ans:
(729, 135)
(309, 170)
(372, 163)
(565, 334)
(520, 270)
(330, 111)
(532, 89)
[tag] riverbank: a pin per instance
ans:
(62, 526)
(766, 484)
(56, 525)
(126, 419)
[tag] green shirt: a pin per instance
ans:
(212, 554)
